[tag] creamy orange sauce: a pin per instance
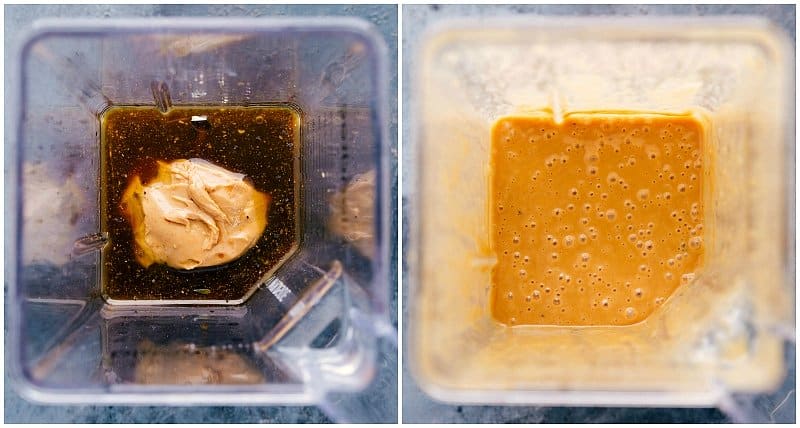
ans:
(596, 220)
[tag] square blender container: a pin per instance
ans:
(724, 331)
(310, 329)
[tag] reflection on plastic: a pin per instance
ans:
(188, 364)
(352, 211)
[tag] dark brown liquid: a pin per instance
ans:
(260, 142)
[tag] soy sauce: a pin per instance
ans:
(260, 142)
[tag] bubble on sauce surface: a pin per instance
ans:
(695, 242)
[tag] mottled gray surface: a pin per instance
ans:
(418, 407)
(18, 18)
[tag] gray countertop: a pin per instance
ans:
(418, 407)
(384, 18)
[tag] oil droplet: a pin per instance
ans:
(611, 215)
(585, 257)
(536, 294)
(569, 241)
(638, 292)
(630, 312)
(643, 194)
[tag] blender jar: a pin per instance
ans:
(724, 331)
(310, 330)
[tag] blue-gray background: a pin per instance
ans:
(17, 19)
(417, 407)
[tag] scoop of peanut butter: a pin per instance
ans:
(194, 214)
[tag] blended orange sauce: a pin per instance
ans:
(596, 220)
